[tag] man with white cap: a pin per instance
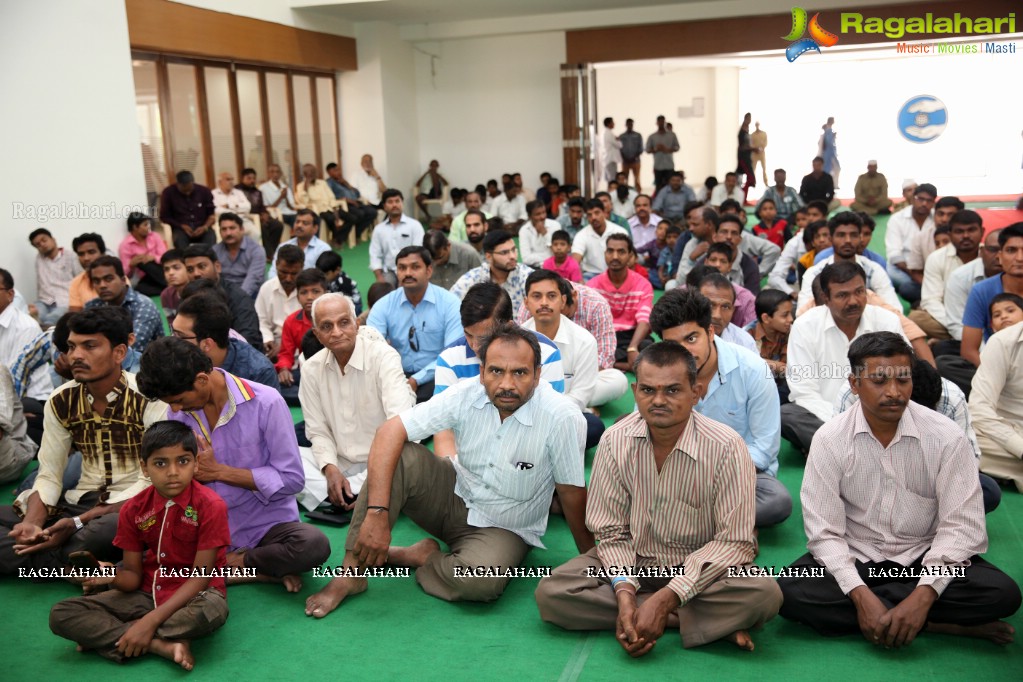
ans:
(871, 192)
(908, 187)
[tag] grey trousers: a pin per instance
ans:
(798, 425)
(97, 537)
(774, 503)
(99, 620)
(571, 599)
(424, 489)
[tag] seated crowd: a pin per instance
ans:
(496, 336)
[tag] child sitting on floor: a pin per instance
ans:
(816, 237)
(665, 260)
(329, 263)
(770, 227)
(174, 535)
(771, 332)
(1006, 310)
(562, 262)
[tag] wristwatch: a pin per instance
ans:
(78, 522)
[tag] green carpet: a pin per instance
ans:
(395, 631)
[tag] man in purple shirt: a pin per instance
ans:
(248, 455)
(188, 208)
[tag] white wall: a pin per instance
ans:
(69, 135)
(707, 143)
(978, 153)
(490, 105)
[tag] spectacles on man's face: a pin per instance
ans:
(506, 252)
(413, 344)
(183, 336)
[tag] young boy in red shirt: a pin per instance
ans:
(770, 228)
(310, 285)
(174, 535)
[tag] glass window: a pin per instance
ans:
(147, 114)
(187, 153)
(218, 106)
(280, 126)
(251, 115)
(302, 94)
(327, 120)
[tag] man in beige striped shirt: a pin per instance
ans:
(671, 504)
(893, 511)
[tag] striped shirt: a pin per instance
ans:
(54, 275)
(631, 303)
(952, 404)
(697, 511)
(110, 442)
(593, 313)
(506, 471)
(459, 362)
(920, 496)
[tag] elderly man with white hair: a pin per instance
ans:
(348, 389)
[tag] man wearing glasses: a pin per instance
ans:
(502, 267)
(419, 320)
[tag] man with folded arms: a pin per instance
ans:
(893, 512)
(670, 489)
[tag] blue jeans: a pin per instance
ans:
(49, 314)
(72, 472)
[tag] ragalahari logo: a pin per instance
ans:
(819, 37)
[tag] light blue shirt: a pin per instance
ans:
(459, 362)
(506, 471)
(313, 249)
(743, 395)
(437, 323)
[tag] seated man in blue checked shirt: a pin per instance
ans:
(518, 440)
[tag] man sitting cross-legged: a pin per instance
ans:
(893, 511)
(672, 491)
(518, 441)
(100, 414)
(248, 455)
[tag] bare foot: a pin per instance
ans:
(413, 556)
(997, 631)
(179, 652)
(328, 599)
(741, 639)
(292, 583)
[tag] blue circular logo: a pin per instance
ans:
(922, 119)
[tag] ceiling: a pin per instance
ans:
(406, 12)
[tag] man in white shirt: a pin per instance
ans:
(229, 199)
(922, 244)
(589, 245)
(510, 207)
(535, 236)
(729, 189)
(55, 268)
(845, 237)
(996, 402)
(17, 330)
(903, 226)
(391, 236)
(966, 234)
(585, 382)
(611, 150)
(817, 365)
(277, 194)
(348, 390)
(518, 441)
(278, 297)
(962, 279)
(368, 181)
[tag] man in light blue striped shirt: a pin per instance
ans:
(518, 440)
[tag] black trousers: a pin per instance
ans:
(423, 391)
(661, 177)
(182, 240)
(152, 282)
(271, 230)
(624, 339)
(957, 370)
(359, 217)
(984, 595)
